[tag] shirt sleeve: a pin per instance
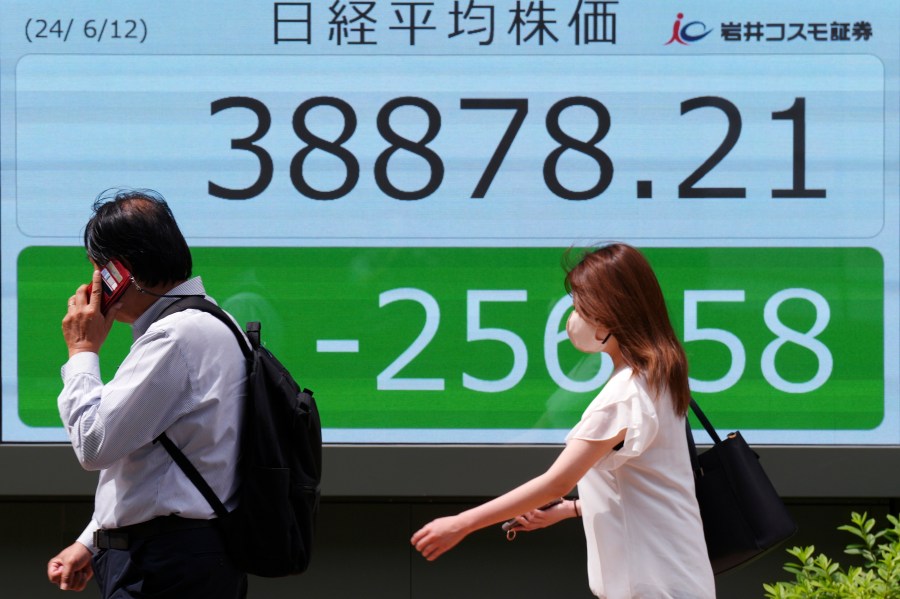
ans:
(633, 412)
(147, 394)
(86, 538)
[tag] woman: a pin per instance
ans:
(628, 454)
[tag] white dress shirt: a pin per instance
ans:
(640, 514)
(185, 375)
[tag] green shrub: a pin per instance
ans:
(820, 577)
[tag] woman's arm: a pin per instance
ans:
(441, 535)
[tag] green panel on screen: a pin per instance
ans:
(472, 338)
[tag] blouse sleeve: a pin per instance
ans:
(633, 412)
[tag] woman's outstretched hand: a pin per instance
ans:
(439, 536)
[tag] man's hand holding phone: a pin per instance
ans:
(85, 327)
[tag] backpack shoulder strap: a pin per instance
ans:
(200, 303)
(193, 474)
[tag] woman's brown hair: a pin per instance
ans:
(614, 287)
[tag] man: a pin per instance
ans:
(184, 376)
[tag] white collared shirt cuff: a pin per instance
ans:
(85, 362)
(86, 538)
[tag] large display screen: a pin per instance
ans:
(391, 188)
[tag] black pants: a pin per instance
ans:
(185, 564)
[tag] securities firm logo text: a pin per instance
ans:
(691, 32)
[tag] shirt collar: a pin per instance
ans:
(193, 286)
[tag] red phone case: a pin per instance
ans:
(114, 280)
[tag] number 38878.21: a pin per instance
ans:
(586, 144)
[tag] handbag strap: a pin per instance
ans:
(710, 430)
(692, 447)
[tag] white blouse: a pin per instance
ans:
(640, 514)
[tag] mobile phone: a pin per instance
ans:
(114, 280)
(506, 526)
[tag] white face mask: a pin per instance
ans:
(582, 335)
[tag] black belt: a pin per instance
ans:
(122, 538)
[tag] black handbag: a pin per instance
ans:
(743, 516)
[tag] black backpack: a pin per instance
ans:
(271, 531)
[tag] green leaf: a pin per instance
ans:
(820, 577)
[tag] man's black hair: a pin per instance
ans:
(137, 227)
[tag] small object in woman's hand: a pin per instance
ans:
(508, 525)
